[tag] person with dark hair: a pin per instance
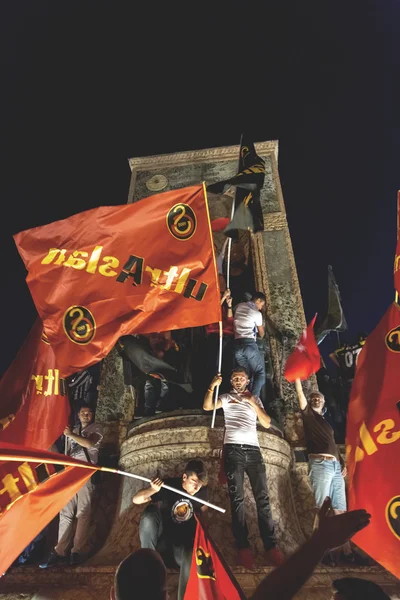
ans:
(83, 444)
(140, 576)
(168, 524)
(242, 455)
(248, 323)
(355, 588)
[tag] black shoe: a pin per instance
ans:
(76, 559)
(52, 560)
(149, 412)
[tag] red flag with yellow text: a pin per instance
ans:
(34, 406)
(305, 358)
(116, 270)
(32, 493)
(397, 257)
(373, 441)
(210, 577)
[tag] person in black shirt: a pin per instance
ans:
(168, 524)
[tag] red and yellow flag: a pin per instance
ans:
(373, 441)
(305, 358)
(32, 492)
(210, 577)
(34, 407)
(115, 270)
(397, 257)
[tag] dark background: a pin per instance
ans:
(86, 85)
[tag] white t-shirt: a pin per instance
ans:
(246, 320)
(77, 451)
(240, 419)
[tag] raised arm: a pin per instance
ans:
(144, 495)
(300, 394)
(208, 403)
(333, 531)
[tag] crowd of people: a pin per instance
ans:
(180, 369)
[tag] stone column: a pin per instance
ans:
(272, 253)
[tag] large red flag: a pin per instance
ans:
(373, 441)
(115, 270)
(210, 577)
(305, 358)
(34, 405)
(397, 257)
(32, 493)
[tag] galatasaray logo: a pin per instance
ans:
(392, 339)
(181, 222)
(392, 515)
(79, 325)
(182, 511)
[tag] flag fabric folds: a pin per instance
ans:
(33, 397)
(373, 441)
(397, 257)
(111, 271)
(305, 358)
(210, 577)
(335, 319)
(32, 493)
(248, 181)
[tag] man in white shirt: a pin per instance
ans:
(242, 455)
(247, 323)
(84, 442)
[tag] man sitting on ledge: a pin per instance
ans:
(242, 455)
(167, 524)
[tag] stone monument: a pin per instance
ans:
(166, 442)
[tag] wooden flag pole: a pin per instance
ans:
(70, 463)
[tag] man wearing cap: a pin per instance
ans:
(168, 524)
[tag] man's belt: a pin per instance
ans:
(323, 456)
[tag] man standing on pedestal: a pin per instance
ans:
(242, 454)
(84, 442)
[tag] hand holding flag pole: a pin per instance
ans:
(13, 453)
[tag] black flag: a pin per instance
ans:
(248, 182)
(335, 319)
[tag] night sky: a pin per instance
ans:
(86, 85)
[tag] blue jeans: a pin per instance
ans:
(155, 396)
(238, 460)
(327, 480)
(247, 355)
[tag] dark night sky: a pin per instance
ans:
(85, 85)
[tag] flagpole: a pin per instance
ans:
(92, 467)
(219, 373)
(228, 281)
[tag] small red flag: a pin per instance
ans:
(34, 406)
(116, 270)
(32, 494)
(210, 577)
(305, 358)
(219, 224)
(373, 441)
